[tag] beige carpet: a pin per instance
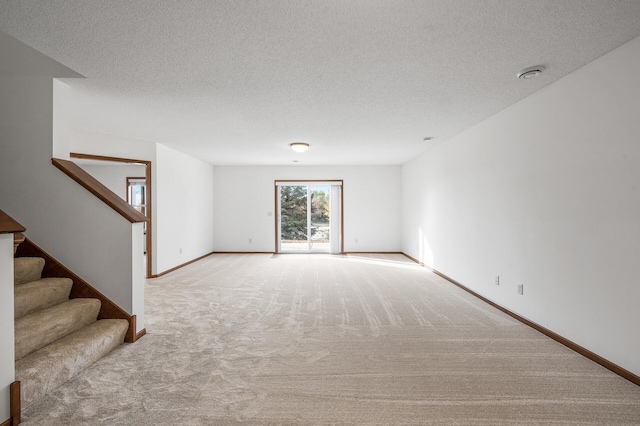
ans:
(320, 339)
(55, 338)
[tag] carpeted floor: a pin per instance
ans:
(320, 339)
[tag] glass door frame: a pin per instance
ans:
(309, 183)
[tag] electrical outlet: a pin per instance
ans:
(520, 288)
(497, 280)
(250, 240)
(356, 240)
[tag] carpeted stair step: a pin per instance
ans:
(27, 269)
(44, 370)
(38, 329)
(41, 294)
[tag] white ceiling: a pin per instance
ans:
(362, 81)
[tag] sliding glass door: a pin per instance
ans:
(305, 220)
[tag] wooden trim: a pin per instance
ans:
(130, 337)
(141, 333)
(207, 255)
(8, 422)
(95, 187)
(247, 252)
(8, 225)
(181, 266)
(148, 176)
(80, 289)
(375, 252)
(555, 336)
(15, 409)
(307, 180)
(107, 158)
(415, 260)
(18, 238)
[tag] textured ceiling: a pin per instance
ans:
(362, 81)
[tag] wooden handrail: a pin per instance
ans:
(8, 225)
(95, 187)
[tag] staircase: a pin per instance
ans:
(55, 337)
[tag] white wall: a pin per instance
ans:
(83, 142)
(181, 190)
(184, 206)
(25, 116)
(115, 176)
(61, 120)
(138, 272)
(546, 194)
(245, 203)
(60, 216)
(7, 375)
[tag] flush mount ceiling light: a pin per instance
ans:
(531, 72)
(299, 146)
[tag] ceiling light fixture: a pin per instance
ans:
(531, 72)
(299, 146)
